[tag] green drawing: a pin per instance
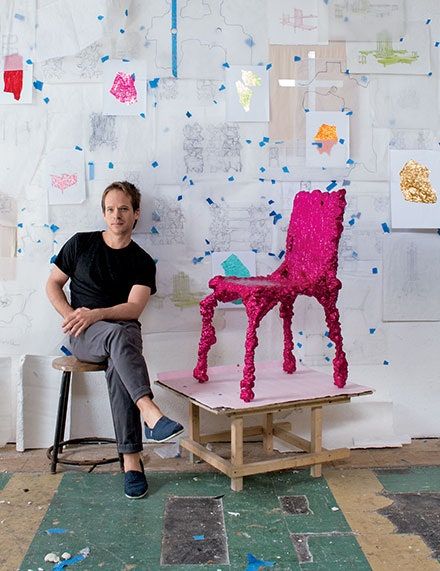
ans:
(182, 295)
(233, 266)
(249, 79)
(386, 55)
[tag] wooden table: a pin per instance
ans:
(220, 396)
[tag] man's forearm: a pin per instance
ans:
(58, 299)
(123, 311)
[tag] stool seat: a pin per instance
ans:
(74, 365)
(68, 366)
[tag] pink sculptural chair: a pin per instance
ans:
(309, 268)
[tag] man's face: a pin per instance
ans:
(119, 214)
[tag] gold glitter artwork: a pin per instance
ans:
(326, 138)
(415, 184)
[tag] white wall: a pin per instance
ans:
(389, 111)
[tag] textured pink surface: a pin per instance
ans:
(274, 386)
(124, 88)
(309, 268)
(63, 181)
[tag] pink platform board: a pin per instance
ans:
(272, 386)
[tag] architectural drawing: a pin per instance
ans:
(182, 296)
(168, 88)
(363, 20)
(168, 222)
(297, 22)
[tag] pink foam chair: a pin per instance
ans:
(309, 268)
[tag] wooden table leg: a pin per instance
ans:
(194, 426)
(316, 439)
(268, 432)
(237, 451)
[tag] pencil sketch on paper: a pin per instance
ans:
(215, 148)
(236, 227)
(168, 221)
(103, 131)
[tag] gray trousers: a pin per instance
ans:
(120, 344)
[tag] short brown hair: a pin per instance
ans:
(127, 188)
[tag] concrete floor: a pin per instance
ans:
(378, 510)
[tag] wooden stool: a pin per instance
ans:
(70, 365)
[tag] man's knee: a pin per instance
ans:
(123, 334)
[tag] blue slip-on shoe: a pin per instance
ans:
(163, 430)
(135, 484)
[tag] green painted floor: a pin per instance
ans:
(126, 534)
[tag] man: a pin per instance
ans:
(111, 280)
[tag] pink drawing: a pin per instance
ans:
(326, 138)
(309, 268)
(297, 20)
(124, 88)
(63, 181)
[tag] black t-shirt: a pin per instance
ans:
(101, 276)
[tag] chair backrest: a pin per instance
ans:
(313, 235)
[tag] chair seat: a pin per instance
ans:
(74, 365)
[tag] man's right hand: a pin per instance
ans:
(79, 320)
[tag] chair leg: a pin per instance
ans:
(207, 337)
(255, 311)
(340, 365)
(61, 419)
(286, 314)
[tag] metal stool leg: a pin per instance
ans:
(64, 411)
(61, 418)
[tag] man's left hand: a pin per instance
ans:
(79, 320)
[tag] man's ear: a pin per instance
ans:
(137, 213)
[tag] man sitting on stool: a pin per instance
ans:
(111, 280)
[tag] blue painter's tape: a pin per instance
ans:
(437, 44)
(191, 182)
(207, 242)
(188, 114)
(299, 345)
(327, 359)
(329, 344)
(105, 58)
(286, 169)
(281, 254)
(222, 87)
(68, 353)
(78, 148)
(428, 21)
(351, 221)
(349, 113)
(317, 144)
(429, 74)
(261, 179)
(154, 164)
(268, 66)
(142, 115)
(57, 530)
(100, 17)
(226, 65)
(385, 227)
(121, 31)
(300, 332)
(174, 37)
(231, 178)
(262, 143)
(277, 217)
(209, 201)
(126, 12)
(153, 83)
(38, 85)
(326, 334)
(91, 165)
(54, 228)
(266, 139)
(272, 213)
(296, 58)
(198, 537)
(248, 141)
(20, 225)
(197, 260)
(331, 186)
(154, 230)
(262, 169)
(19, 17)
(350, 162)
(110, 165)
(342, 141)
(272, 180)
(306, 110)
(271, 254)
(184, 178)
(29, 61)
(372, 330)
(374, 271)
(46, 100)
(67, 562)
(270, 201)
(386, 362)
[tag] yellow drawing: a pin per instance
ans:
(249, 79)
(415, 184)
